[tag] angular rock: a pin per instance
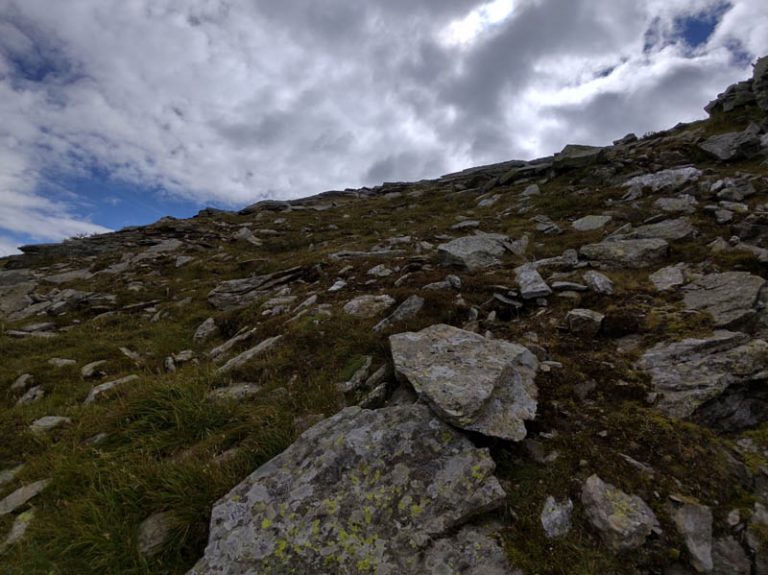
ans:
(530, 282)
(205, 331)
(406, 310)
(92, 369)
(730, 297)
(598, 283)
(584, 322)
(472, 382)
(683, 204)
(368, 306)
(107, 386)
(61, 362)
(733, 145)
(21, 496)
(556, 517)
(472, 252)
(623, 521)
(362, 490)
(692, 377)
(590, 223)
(32, 395)
(668, 278)
(48, 423)
(236, 293)
(154, 532)
(729, 558)
(18, 529)
(471, 551)
(240, 360)
(626, 253)
(23, 381)
(670, 230)
(577, 156)
(694, 523)
(236, 391)
(665, 179)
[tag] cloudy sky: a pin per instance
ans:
(118, 112)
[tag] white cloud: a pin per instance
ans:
(233, 101)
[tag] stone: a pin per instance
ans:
(363, 490)
(577, 156)
(240, 360)
(710, 379)
(154, 532)
(83, 274)
(670, 230)
(61, 362)
(21, 496)
(406, 310)
(240, 292)
(380, 271)
(48, 423)
(556, 517)
(760, 83)
(472, 382)
(18, 529)
(236, 391)
(107, 386)
(471, 551)
(357, 378)
(466, 224)
(733, 145)
(684, 204)
(32, 395)
(92, 370)
(590, 223)
(729, 558)
(584, 322)
(694, 523)
(668, 278)
(368, 306)
(598, 283)
(626, 253)
(664, 180)
(623, 521)
(730, 297)
(337, 286)
(530, 282)
(205, 331)
(532, 190)
(472, 252)
(23, 381)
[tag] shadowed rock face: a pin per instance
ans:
(470, 381)
(363, 488)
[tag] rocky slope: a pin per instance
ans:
(546, 367)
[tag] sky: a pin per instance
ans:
(119, 112)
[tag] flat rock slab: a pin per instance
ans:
(530, 282)
(730, 297)
(626, 253)
(668, 278)
(473, 252)
(691, 374)
(22, 495)
(590, 223)
(368, 306)
(665, 179)
(472, 382)
(240, 292)
(361, 491)
(670, 230)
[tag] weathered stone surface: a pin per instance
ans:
(729, 297)
(21, 496)
(406, 310)
(471, 551)
(670, 230)
(32, 395)
(361, 490)
(15, 297)
(473, 252)
(665, 179)
(694, 523)
(623, 521)
(584, 322)
(626, 253)
(83, 274)
(729, 558)
(240, 360)
(48, 423)
(18, 529)
(475, 383)
(236, 391)
(240, 292)
(21, 382)
(590, 223)
(668, 278)
(205, 331)
(556, 517)
(530, 282)
(102, 388)
(683, 204)
(733, 145)
(368, 306)
(154, 531)
(577, 156)
(691, 374)
(92, 369)
(598, 283)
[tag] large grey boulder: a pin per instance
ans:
(716, 380)
(694, 523)
(577, 156)
(733, 145)
(626, 253)
(669, 277)
(240, 292)
(590, 223)
(473, 252)
(368, 306)
(361, 491)
(623, 521)
(730, 297)
(670, 230)
(530, 282)
(664, 180)
(22, 495)
(470, 381)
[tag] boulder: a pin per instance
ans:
(556, 517)
(694, 523)
(590, 223)
(48, 422)
(729, 558)
(670, 230)
(154, 531)
(107, 386)
(530, 282)
(684, 204)
(473, 252)
(668, 278)
(470, 381)
(577, 156)
(626, 253)
(240, 360)
(240, 292)
(664, 180)
(21, 496)
(730, 297)
(760, 83)
(363, 490)
(623, 521)
(406, 310)
(584, 322)
(598, 283)
(716, 380)
(205, 331)
(472, 551)
(368, 306)
(733, 145)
